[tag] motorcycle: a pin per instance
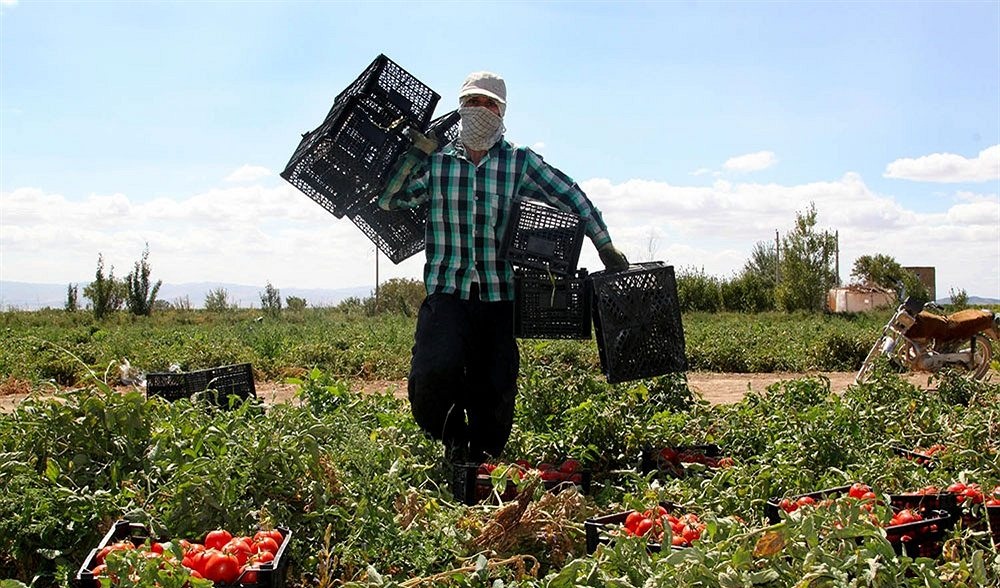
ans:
(920, 340)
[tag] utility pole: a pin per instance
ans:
(376, 279)
(836, 250)
(777, 257)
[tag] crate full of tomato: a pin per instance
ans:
(662, 525)
(677, 460)
(918, 528)
(257, 560)
(475, 482)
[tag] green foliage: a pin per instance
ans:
(141, 295)
(72, 304)
(806, 265)
(884, 271)
(295, 303)
(698, 291)
(959, 299)
(270, 300)
(400, 295)
(366, 495)
(106, 293)
(217, 300)
(748, 292)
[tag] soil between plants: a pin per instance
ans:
(716, 388)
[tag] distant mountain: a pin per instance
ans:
(30, 296)
(973, 301)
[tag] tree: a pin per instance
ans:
(698, 291)
(806, 268)
(217, 300)
(71, 298)
(140, 295)
(402, 295)
(883, 271)
(295, 303)
(270, 300)
(105, 293)
(959, 299)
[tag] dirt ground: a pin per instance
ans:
(716, 388)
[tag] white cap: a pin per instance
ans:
(485, 83)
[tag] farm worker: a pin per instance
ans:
(463, 371)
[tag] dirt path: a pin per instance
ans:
(716, 388)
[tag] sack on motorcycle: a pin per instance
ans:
(961, 325)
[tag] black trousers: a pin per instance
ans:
(463, 373)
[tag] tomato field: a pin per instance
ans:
(368, 498)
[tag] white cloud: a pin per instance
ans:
(8, 2)
(948, 167)
(751, 162)
(248, 173)
(251, 234)
(716, 227)
(701, 171)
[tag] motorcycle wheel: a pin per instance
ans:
(982, 358)
(869, 363)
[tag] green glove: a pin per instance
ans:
(613, 259)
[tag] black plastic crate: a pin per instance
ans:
(471, 486)
(229, 380)
(342, 163)
(637, 322)
(924, 459)
(673, 459)
(270, 575)
(993, 515)
(547, 306)
(400, 234)
(543, 238)
(384, 80)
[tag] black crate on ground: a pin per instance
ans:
(945, 501)
(926, 460)
(229, 380)
(272, 574)
(167, 385)
(547, 306)
(400, 234)
(672, 459)
(993, 515)
(601, 529)
(388, 83)
(544, 238)
(637, 322)
(342, 163)
(771, 508)
(471, 486)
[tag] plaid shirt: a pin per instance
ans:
(469, 210)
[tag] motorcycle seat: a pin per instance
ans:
(957, 326)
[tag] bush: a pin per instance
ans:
(698, 291)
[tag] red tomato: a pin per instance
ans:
(263, 557)
(217, 539)
(221, 567)
(633, 519)
(276, 534)
(858, 490)
(691, 533)
(118, 546)
(806, 500)
(787, 505)
(265, 544)
(239, 547)
(957, 488)
(570, 466)
(643, 527)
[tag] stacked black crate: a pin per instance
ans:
(552, 297)
(343, 163)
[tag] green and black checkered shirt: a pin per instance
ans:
(469, 210)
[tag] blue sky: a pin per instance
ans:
(698, 128)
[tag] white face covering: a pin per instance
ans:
(481, 127)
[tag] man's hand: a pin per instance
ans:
(613, 259)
